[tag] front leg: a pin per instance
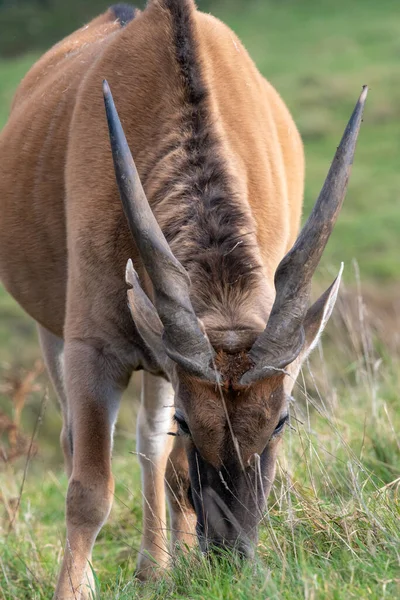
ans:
(154, 445)
(94, 383)
(182, 514)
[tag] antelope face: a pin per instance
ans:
(232, 433)
(232, 429)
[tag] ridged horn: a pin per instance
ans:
(183, 339)
(283, 338)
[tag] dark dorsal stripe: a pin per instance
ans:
(211, 233)
(186, 50)
(124, 13)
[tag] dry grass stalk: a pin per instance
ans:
(17, 388)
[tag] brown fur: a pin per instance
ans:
(222, 165)
(232, 367)
(219, 415)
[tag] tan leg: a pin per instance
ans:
(182, 515)
(93, 383)
(154, 445)
(53, 354)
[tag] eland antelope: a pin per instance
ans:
(217, 316)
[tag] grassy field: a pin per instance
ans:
(333, 528)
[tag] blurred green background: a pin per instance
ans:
(318, 54)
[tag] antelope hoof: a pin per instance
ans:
(149, 569)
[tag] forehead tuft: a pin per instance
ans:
(232, 367)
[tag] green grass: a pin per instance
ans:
(333, 528)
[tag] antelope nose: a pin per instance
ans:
(245, 550)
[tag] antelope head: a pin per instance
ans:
(232, 405)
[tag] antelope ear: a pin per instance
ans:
(147, 322)
(314, 324)
(318, 316)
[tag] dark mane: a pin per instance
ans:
(209, 230)
(186, 50)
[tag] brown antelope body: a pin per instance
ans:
(221, 165)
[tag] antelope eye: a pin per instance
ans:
(281, 425)
(183, 427)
